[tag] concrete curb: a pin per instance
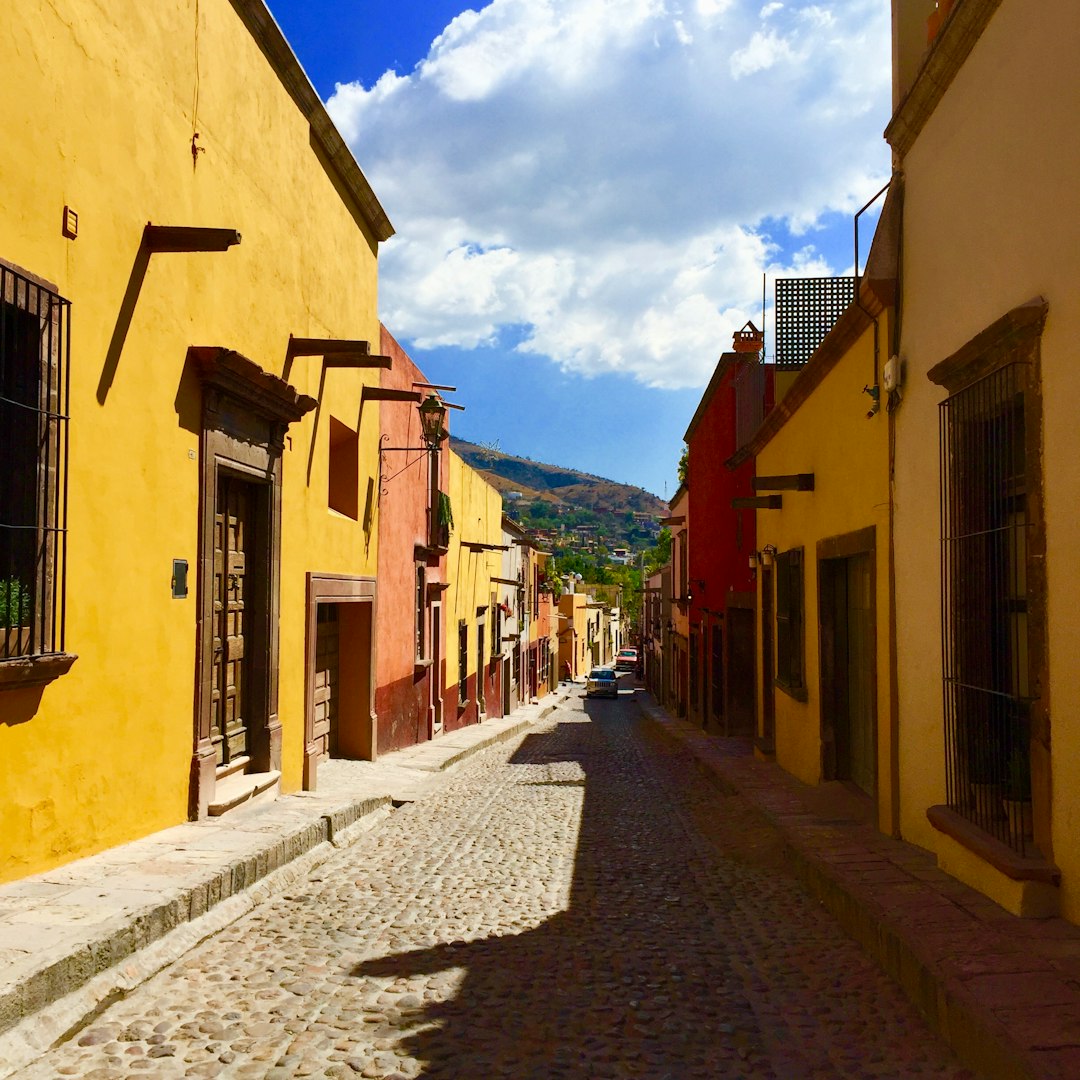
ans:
(889, 896)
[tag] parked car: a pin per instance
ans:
(626, 660)
(602, 682)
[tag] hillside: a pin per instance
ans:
(552, 494)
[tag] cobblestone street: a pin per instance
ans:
(576, 903)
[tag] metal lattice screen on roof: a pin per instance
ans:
(806, 309)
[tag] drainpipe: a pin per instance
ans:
(874, 389)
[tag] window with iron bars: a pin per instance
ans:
(463, 663)
(789, 619)
(34, 378)
(985, 530)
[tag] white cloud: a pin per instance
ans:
(597, 174)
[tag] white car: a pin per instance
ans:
(602, 682)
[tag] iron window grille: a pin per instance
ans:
(463, 663)
(985, 647)
(420, 611)
(34, 392)
(805, 310)
(789, 619)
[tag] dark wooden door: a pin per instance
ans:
(848, 678)
(859, 737)
(327, 681)
(742, 651)
(233, 541)
(768, 671)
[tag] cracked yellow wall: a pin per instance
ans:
(101, 111)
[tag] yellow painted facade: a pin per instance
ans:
(830, 436)
(574, 656)
(991, 222)
(477, 509)
(104, 102)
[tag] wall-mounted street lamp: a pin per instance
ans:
(432, 415)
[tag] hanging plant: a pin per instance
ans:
(446, 514)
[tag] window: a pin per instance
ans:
(789, 619)
(481, 662)
(344, 470)
(420, 612)
(993, 574)
(34, 351)
(496, 626)
(984, 543)
(463, 663)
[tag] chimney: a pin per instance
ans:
(748, 340)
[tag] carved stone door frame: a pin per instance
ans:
(245, 414)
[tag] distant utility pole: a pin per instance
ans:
(489, 450)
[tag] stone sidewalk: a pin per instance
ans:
(1004, 992)
(74, 939)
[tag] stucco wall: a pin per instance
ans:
(990, 222)
(101, 119)
(477, 508)
(831, 437)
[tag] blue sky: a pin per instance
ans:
(587, 193)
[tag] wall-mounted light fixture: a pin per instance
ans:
(753, 560)
(432, 415)
(768, 554)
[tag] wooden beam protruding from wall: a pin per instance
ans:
(803, 481)
(758, 502)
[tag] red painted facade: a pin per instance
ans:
(409, 659)
(721, 583)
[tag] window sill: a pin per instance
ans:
(34, 670)
(998, 855)
(422, 665)
(799, 693)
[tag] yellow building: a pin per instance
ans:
(575, 640)
(473, 686)
(987, 134)
(187, 293)
(824, 599)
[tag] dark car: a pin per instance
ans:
(602, 682)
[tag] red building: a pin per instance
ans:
(720, 589)
(412, 556)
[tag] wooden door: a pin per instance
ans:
(230, 682)
(860, 748)
(848, 677)
(327, 681)
(740, 671)
(768, 671)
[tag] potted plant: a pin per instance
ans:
(14, 617)
(1017, 797)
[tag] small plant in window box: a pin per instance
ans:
(14, 617)
(1017, 796)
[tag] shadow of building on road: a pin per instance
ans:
(634, 978)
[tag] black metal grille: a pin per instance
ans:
(34, 363)
(984, 529)
(806, 309)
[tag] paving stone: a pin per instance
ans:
(578, 902)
